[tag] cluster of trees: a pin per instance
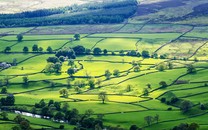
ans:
(53, 67)
(185, 126)
(4, 82)
(149, 119)
(114, 12)
(61, 112)
(24, 124)
(8, 101)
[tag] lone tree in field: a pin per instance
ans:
(102, 96)
(163, 84)
(77, 36)
(108, 74)
(49, 49)
(191, 69)
(4, 90)
(71, 71)
(116, 73)
(25, 49)
(186, 106)
(19, 37)
(64, 92)
(161, 67)
(40, 49)
(148, 119)
(7, 49)
(25, 80)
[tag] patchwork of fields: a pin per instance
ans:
(126, 104)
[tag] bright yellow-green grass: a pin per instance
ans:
(201, 98)
(125, 120)
(156, 104)
(86, 42)
(115, 44)
(4, 44)
(167, 125)
(55, 44)
(199, 76)
(99, 68)
(108, 107)
(22, 88)
(154, 79)
(33, 65)
(110, 98)
(112, 58)
(10, 57)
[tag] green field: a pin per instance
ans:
(136, 86)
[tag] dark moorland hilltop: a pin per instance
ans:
(113, 65)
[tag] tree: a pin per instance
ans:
(170, 65)
(145, 92)
(116, 73)
(108, 74)
(193, 126)
(105, 51)
(49, 49)
(64, 92)
(77, 36)
(79, 49)
(191, 69)
(145, 54)
(40, 49)
(57, 67)
(62, 58)
(59, 116)
(25, 80)
(163, 84)
(102, 96)
(186, 106)
(70, 62)
(6, 80)
(10, 100)
(71, 71)
(7, 49)
(19, 37)
(14, 62)
(53, 59)
(25, 49)
(25, 125)
(148, 119)
(161, 67)
(156, 118)
(4, 115)
(65, 107)
(97, 51)
(134, 127)
(136, 68)
(15, 128)
(35, 48)
(91, 83)
(4, 90)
